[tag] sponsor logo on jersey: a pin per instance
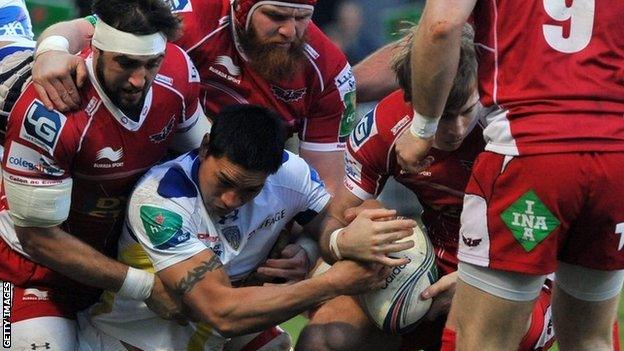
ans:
(105, 206)
(179, 5)
(288, 95)
(205, 237)
(423, 173)
(164, 79)
(163, 227)
(42, 127)
(400, 124)
(233, 236)
(32, 294)
(217, 249)
(36, 182)
(111, 156)
(229, 217)
(233, 71)
(272, 219)
(164, 133)
(229, 65)
(353, 168)
(365, 129)
(193, 74)
(92, 106)
(26, 160)
(345, 82)
(529, 220)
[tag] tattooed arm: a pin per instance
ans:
(205, 287)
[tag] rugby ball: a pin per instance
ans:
(397, 308)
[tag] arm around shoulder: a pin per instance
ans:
(55, 63)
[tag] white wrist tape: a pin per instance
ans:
(424, 127)
(52, 43)
(311, 249)
(333, 243)
(137, 285)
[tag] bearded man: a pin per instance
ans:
(267, 53)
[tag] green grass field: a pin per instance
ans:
(295, 325)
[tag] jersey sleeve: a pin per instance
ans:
(366, 157)
(165, 229)
(193, 123)
(40, 145)
(331, 115)
(39, 149)
(304, 189)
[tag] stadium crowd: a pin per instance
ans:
(189, 174)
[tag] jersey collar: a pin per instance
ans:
(123, 120)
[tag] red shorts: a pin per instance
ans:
(525, 213)
(39, 291)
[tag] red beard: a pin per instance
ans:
(271, 61)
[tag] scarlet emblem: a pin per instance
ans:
(159, 219)
(471, 242)
(288, 95)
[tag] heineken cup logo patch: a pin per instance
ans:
(529, 220)
(163, 227)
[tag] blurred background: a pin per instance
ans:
(358, 27)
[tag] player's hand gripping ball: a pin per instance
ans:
(397, 307)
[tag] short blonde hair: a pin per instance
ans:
(465, 80)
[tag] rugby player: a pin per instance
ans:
(66, 176)
(16, 49)
(204, 222)
(546, 195)
(247, 51)
(340, 324)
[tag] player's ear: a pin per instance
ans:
(203, 149)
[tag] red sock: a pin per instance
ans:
(616, 337)
(448, 340)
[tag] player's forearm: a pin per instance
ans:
(78, 33)
(433, 70)
(329, 166)
(333, 218)
(64, 253)
(248, 309)
(435, 55)
(374, 76)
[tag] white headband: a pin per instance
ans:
(108, 38)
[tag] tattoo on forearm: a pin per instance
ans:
(193, 276)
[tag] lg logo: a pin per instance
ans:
(42, 127)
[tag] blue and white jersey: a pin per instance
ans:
(167, 223)
(167, 216)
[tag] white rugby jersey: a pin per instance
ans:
(168, 223)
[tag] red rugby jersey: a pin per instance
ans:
(318, 101)
(98, 147)
(370, 159)
(556, 67)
